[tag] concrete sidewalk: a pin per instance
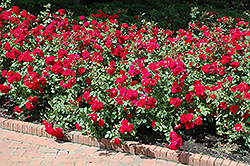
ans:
(25, 149)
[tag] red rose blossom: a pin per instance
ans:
(237, 127)
(177, 126)
(153, 123)
(18, 110)
(189, 125)
(101, 122)
(78, 127)
(234, 108)
(117, 140)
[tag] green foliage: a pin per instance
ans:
(168, 14)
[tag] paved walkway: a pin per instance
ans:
(25, 149)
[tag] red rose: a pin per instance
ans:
(35, 99)
(176, 142)
(61, 11)
(153, 123)
(173, 135)
(29, 106)
(198, 121)
(189, 117)
(235, 64)
(18, 110)
(130, 115)
(16, 10)
(101, 122)
(86, 23)
(230, 79)
(58, 133)
(147, 89)
(199, 90)
(237, 127)
(189, 125)
(233, 88)
(122, 129)
(5, 88)
(50, 131)
(175, 88)
(225, 59)
(93, 116)
(29, 69)
(44, 121)
(243, 87)
(151, 102)
(130, 128)
(141, 103)
(7, 46)
(111, 71)
(4, 73)
(183, 119)
(78, 99)
(222, 105)
(178, 127)
(124, 122)
(78, 127)
(50, 60)
(81, 18)
(48, 125)
(117, 140)
(234, 108)
(96, 105)
(175, 102)
(81, 70)
(246, 115)
(189, 97)
(112, 92)
(247, 95)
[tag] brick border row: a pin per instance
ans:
(129, 146)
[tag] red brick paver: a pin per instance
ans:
(25, 149)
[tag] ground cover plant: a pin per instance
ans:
(109, 79)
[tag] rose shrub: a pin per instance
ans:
(108, 78)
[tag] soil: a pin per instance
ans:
(203, 140)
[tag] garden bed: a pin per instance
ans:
(121, 82)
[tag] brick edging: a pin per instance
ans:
(129, 146)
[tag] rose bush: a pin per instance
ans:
(108, 79)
